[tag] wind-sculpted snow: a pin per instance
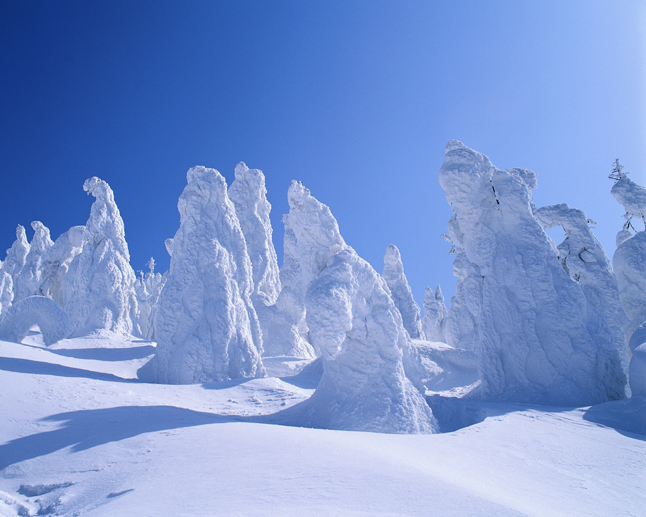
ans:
(629, 263)
(584, 260)
(312, 236)
(435, 315)
(34, 310)
(58, 259)
(31, 277)
(17, 254)
(631, 195)
(98, 289)
(6, 289)
(539, 338)
(249, 197)
(401, 292)
(148, 288)
(206, 327)
(461, 328)
(355, 326)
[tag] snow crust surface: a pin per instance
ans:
(206, 326)
(34, 310)
(538, 337)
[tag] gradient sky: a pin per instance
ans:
(354, 98)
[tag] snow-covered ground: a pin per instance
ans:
(79, 435)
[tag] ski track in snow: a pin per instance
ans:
(80, 436)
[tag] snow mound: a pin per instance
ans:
(205, 326)
(34, 310)
(435, 315)
(401, 292)
(98, 289)
(538, 337)
(355, 326)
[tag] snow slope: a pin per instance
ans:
(79, 436)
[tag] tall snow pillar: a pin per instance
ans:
(206, 327)
(539, 339)
(98, 289)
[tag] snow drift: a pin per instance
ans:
(206, 326)
(538, 337)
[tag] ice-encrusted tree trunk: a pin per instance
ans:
(401, 292)
(249, 196)
(354, 324)
(205, 326)
(31, 276)
(435, 315)
(98, 289)
(6, 289)
(539, 339)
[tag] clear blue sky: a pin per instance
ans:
(354, 98)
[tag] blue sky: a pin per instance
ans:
(356, 99)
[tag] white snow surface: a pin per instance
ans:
(205, 325)
(79, 436)
(401, 293)
(355, 326)
(539, 339)
(98, 289)
(435, 315)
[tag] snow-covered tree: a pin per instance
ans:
(205, 326)
(401, 292)
(435, 315)
(539, 339)
(249, 197)
(98, 289)
(355, 326)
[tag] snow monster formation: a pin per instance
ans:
(629, 263)
(98, 289)
(435, 315)
(206, 327)
(249, 196)
(355, 326)
(34, 310)
(31, 276)
(539, 339)
(401, 292)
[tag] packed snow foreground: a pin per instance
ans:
(531, 322)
